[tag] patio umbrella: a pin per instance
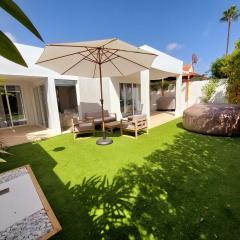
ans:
(96, 59)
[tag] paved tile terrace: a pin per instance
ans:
(24, 134)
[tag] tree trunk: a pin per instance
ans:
(228, 35)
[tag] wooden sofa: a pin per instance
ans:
(82, 127)
(97, 117)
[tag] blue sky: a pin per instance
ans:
(176, 27)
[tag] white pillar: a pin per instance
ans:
(114, 92)
(78, 95)
(179, 107)
(145, 92)
(53, 114)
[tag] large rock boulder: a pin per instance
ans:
(213, 119)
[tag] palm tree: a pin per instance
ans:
(229, 16)
(7, 48)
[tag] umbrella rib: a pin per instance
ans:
(132, 61)
(112, 40)
(76, 63)
(108, 57)
(55, 58)
(122, 50)
(130, 51)
(92, 54)
(87, 58)
(114, 65)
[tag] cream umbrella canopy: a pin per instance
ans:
(96, 59)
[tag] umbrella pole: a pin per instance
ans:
(101, 100)
(104, 140)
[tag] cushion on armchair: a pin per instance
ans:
(84, 126)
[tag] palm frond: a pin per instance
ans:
(223, 19)
(12, 8)
(2, 160)
(231, 14)
(9, 51)
(4, 152)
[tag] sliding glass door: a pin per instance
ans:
(11, 107)
(5, 120)
(130, 99)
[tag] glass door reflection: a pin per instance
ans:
(11, 107)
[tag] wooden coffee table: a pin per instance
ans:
(111, 126)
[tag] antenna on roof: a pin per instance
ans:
(194, 60)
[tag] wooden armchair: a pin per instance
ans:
(134, 124)
(82, 127)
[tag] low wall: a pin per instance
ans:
(195, 93)
(220, 94)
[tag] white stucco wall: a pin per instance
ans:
(165, 62)
(220, 95)
(90, 95)
(53, 114)
(29, 77)
(145, 92)
(114, 97)
(30, 55)
(88, 90)
(195, 93)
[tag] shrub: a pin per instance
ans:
(218, 66)
(232, 71)
(209, 89)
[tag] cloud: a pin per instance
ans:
(10, 36)
(174, 46)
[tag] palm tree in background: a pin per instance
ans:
(8, 49)
(229, 16)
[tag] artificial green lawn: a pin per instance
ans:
(169, 184)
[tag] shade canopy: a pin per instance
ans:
(117, 58)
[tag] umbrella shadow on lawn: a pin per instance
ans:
(175, 194)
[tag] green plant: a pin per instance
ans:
(162, 85)
(229, 16)
(209, 89)
(2, 152)
(7, 48)
(232, 71)
(217, 68)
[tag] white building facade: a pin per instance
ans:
(38, 96)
